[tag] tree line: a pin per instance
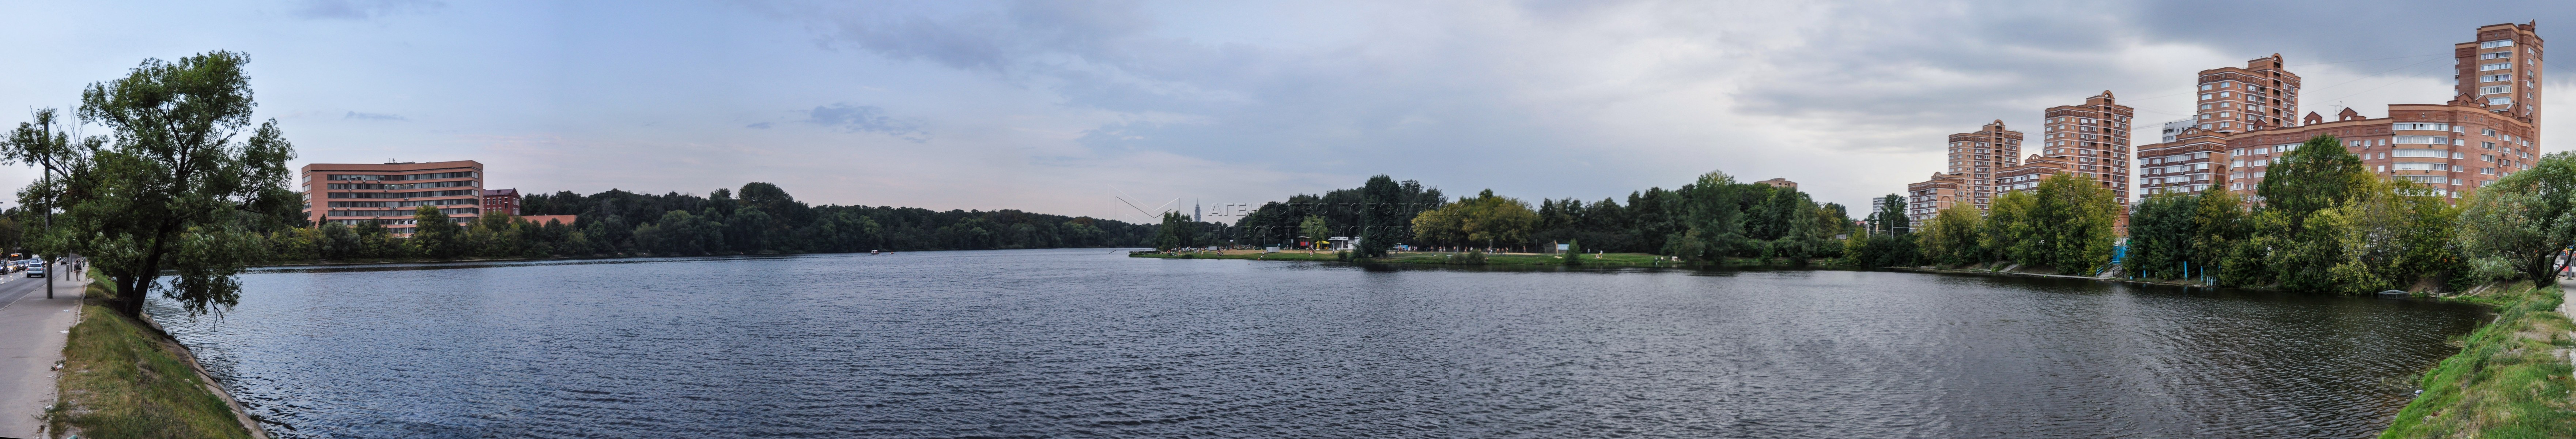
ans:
(1708, 219)
(758, 218)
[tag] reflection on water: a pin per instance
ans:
(1090, 343)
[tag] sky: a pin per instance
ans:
(1068, 107)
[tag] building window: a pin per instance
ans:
(2494, 78)
(2495, 44)
(2419, 153)
(2494, 55)
(2420, 126)
(2496, 66)
(2500, 89)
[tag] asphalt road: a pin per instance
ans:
(31, 341)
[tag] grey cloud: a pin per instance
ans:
(2339, 31)
(864, 119)
(360, 9)
(1450, 91)
(374, 116)
(758, 126)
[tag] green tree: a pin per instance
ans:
(1493, 220)
(2160, 235)
(1175, 232)
(2523, 220)
(1952, 236)
(2218, 229)
(2318, 175)
(437, 236)
(2073, 219)
(1713, 218)
(174, 189)
(2008, 228)
(1381, 222)
(1315, 230)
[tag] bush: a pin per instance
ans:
(1471, 257)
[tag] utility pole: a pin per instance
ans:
(48, 159)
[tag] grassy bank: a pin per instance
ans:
(122, 379)
(1448, 258)
(2510, 379)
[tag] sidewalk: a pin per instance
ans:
(32, 329)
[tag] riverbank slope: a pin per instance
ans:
(121, 378)
(2511, 378)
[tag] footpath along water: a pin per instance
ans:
(1091, 343)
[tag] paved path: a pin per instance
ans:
(2567, 291)
(31, 341)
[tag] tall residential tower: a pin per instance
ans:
(2261, 95)
(1976, 156)
(2094, 138)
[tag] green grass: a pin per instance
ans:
(2506, 382)
(121, 379)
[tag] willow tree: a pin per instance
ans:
(178, 188)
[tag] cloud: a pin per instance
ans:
(374, 116)
(1851, 97)
(865, 119)
(360, 9)
(758, 126)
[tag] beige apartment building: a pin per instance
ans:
(1926, 198)
(389, 193)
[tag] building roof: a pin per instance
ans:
(493, 192)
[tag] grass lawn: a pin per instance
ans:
(121, 379)
(2507, 381)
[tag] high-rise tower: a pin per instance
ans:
(2094, 138)
(2235, 100)
(2501, 70)
(1977, 155)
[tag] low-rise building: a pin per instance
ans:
(390, 193)
(501, 200)
(1925, 199)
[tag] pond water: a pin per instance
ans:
(1089, 343)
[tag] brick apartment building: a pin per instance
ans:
(2094, 137)
(2089, 140)
(1926, 198)
(2244, 121)
(501, 200)
(388, 193)
(1974, 158)
(2487, 131)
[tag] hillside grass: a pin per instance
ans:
(2510, 379)
(122, 379)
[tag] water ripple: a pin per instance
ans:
(1086, 343)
